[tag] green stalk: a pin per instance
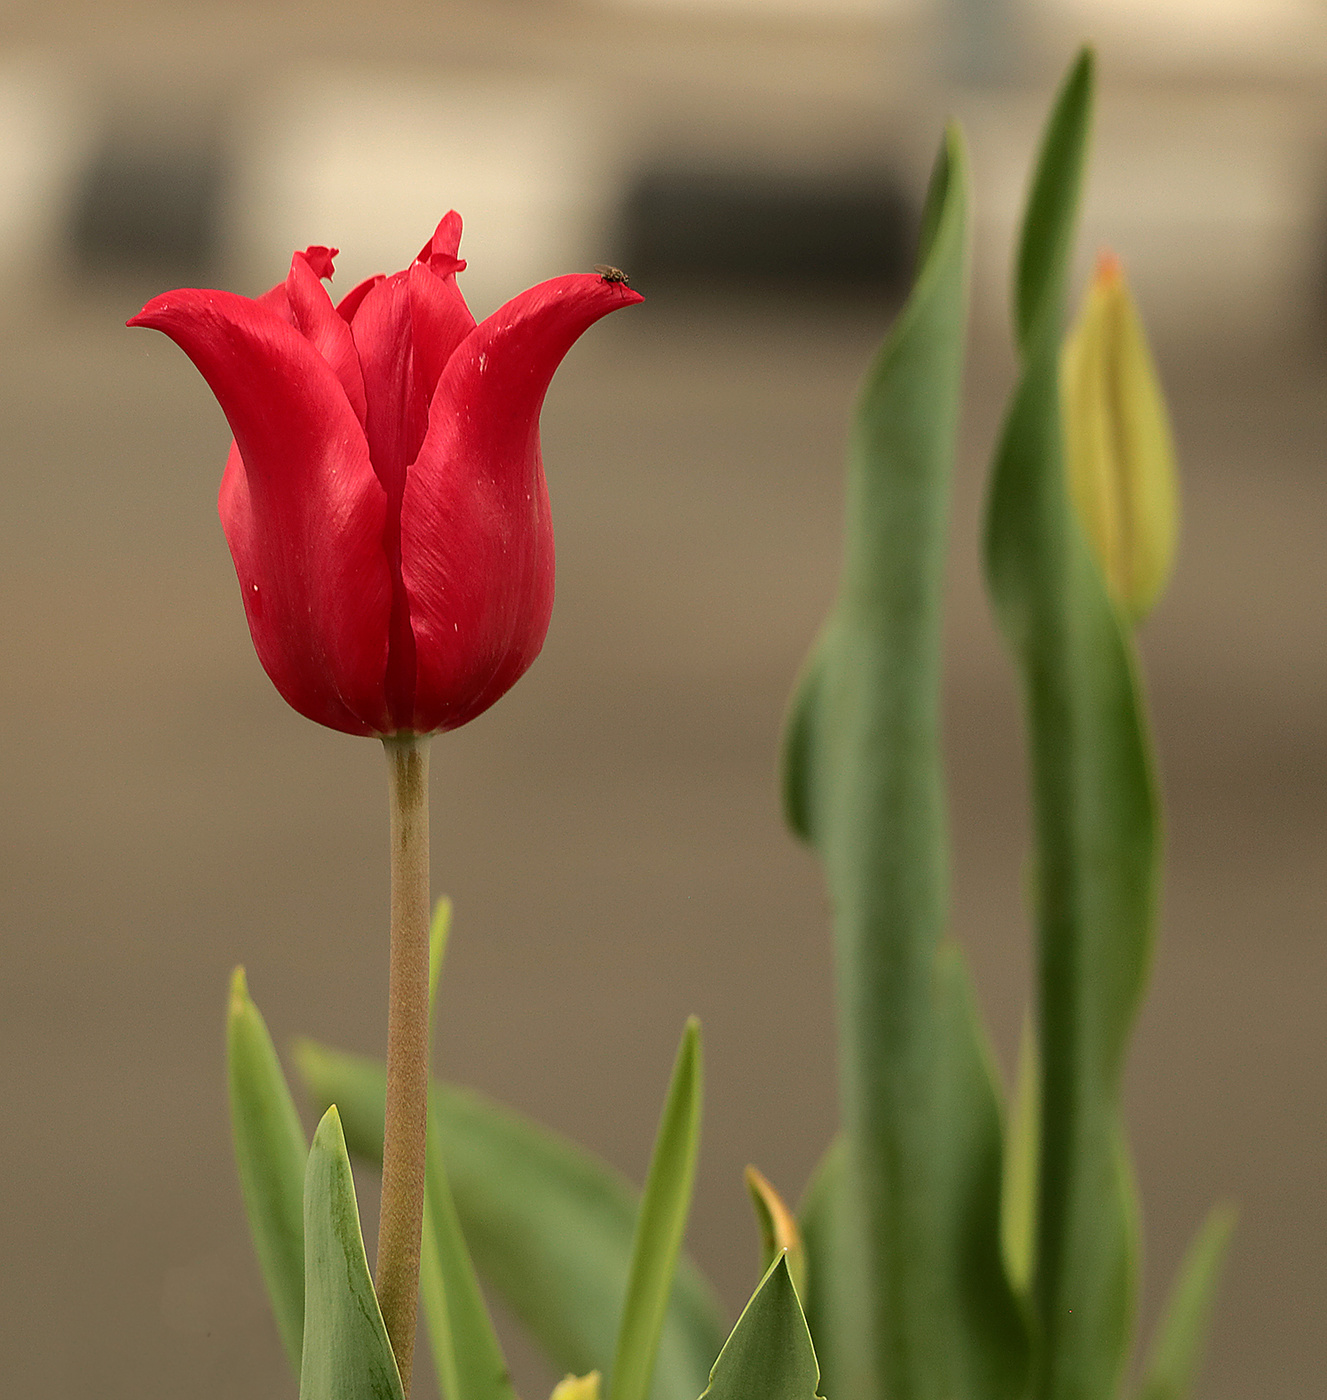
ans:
(405, 1124)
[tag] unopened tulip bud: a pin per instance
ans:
(1120, 454)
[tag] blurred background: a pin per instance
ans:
(610, 832)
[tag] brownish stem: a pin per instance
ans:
(404, 1129)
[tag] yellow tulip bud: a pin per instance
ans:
(577, 1387)
(1119, 450)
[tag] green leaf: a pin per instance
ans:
(835, 1300)
(991, 1357)
(466, 1354)
(660, 1225)
(769, 1355)
(549, 1225)
(799, 755)
(1095, 819)
(1045, 245)
(863, 781)
(440, 927)
(468, 1358)
(347, 1355)
(1178, 1346)
(270, 1152)
(1018, 1211)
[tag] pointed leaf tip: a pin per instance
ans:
(1181, 1336)
(239, 990)
(660, 1225)
(347, 1355)
(270, 1155)
(769, 1353)
(439, 929)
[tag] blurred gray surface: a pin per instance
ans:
(609, 831)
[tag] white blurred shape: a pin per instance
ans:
(1198, 30)
(370, 161)
(781, 9)
(45, 140)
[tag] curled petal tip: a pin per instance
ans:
(440, 252)
(320, 259)
(155, 312)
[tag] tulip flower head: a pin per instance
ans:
(384, 499)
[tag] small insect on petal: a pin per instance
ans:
(610, 273)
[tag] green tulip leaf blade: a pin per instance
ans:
(991, 1354)
(863, 781)
(549, 1225)
(660, 1225)
(1181, 1334)
(467, 1356)
(440, 927)
(347, 1355)
(769, 1355)
(1045, 247)
(466, 1352)
(798, 753)
(271, 1153)
(835, 1300)
(1095, 820)
(1018, 1206)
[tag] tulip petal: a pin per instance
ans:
(394, 426)
(440, 252)
(476, 532)
(320, 259)
(302, 509)
(316, 319)
(439, 321)
(405, 330)
(350, 303)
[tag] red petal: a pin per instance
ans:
(405, 329)
(302, 509)
(394, 424)
(476, 532)
(315, 317)
(440, 252)
(320, 259)
(439, 321)
(350, 303)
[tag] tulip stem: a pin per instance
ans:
(404, 1128)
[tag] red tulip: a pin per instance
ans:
(384, 500)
